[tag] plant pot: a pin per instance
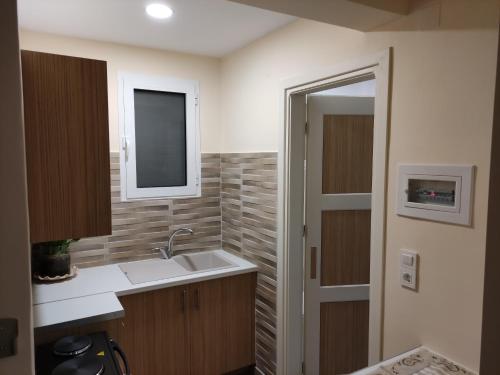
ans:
(53, 265)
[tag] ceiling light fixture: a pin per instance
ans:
(159, 11)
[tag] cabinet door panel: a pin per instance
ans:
(205, 327)
(222, 324)
(154, 332)
(238, 311)
(67, 146)
(132, 330)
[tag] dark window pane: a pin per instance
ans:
(160, 136)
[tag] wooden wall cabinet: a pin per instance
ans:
(203, 328)
(67, 146)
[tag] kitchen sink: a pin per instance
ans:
(152, 270)
(205, 261)
(180, 265)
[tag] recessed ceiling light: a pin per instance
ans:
(160, 11)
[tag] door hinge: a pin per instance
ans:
(196, 101)
(304, 231)
(306, 128)
(303, 368)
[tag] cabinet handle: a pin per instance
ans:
(183, 298)
(197, 299)
(313, 262)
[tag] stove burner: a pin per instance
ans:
(80, 366)
(72, 345)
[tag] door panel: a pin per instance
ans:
(152, 322)
(338, 218)
(165, 321)
(238, 314)
(345, 247)
(131, 330)
(347, 154)
(344, 337)
(205, 327)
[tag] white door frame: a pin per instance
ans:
(291, 210)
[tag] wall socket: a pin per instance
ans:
(8, 335)
(408, 269)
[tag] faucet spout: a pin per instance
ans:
(168, 252)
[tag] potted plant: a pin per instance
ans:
(52, 259)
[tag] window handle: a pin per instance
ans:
(125, 147)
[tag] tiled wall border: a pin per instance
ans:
(249, 204)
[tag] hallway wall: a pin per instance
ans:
(444, 60)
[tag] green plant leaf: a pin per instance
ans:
(58, 247)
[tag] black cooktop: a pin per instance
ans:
(92, 354)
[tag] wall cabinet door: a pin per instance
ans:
(67, 146)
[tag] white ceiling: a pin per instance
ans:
(206, 27)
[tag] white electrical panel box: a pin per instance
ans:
(436, 192)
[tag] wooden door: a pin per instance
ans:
(67, 146)
(206, 345)
(338, 218)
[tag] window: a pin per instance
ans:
(159, 130)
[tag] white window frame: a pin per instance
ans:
(127, 82)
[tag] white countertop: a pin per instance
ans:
(88, 309)
(91, 294)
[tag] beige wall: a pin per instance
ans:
(15, 275)
(442, 105)
(144, 61)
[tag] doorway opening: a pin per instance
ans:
(331, 222)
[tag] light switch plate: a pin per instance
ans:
(8, 335)
(408, 269)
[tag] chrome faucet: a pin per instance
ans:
(167, 252)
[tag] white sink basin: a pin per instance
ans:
(151, 270)
(180, 265)
(202, 261)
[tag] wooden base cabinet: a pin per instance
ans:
(206, 328)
